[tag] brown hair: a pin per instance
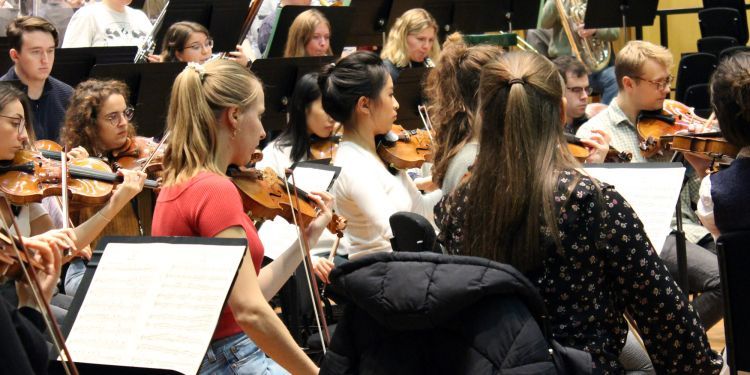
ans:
(301, 32)
(199, 94)
(569, 64)
(411, 22)
(631, 58)
(81, 128)
(730, 97)
(9, 93)
(452, 91)
(176, 37)
(511, 189)
(27, 24)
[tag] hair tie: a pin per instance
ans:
(516, 80)
(198, 68)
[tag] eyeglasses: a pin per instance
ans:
(19, 123)
(660, 85)
(209, 44)
(114, 117)
(580, 90)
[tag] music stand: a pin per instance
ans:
(374, 18)
(222, 18)
(603, 13)
(408, 92)
(150, 87)
(479, 16)
(279, 75)
(340, 19)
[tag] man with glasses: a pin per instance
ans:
(577, 91)
(643, 78)
(32, 43)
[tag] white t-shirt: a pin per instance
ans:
(367, 195)
(97, 25)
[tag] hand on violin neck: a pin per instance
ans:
(324, 203)
(598, 145)
(51, 257)
(78, 153)
(132, 184)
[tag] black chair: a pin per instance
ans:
(734, 263)
(694, 69)
(720, 22)
(698, 97)
(411, 232)
(715, 44)
(739, 5)
(732, 50)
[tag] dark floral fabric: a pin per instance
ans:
(606, 267)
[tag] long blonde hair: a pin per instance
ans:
(199, 95)
(511, 190)
(412, 21)
(301, 32)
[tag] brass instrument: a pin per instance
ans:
(592, 52)
(149, 44)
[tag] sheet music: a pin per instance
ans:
(651, 191)
(312, 179)
(154, 305)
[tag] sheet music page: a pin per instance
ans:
(154, 305)
(312, 179)
(652, 192)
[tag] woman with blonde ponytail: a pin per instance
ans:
(214, 122)
(528, 205)
(452, 91)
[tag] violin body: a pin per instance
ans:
(136, 153)
(264, 196)
(652, 125)
(706, 145)
(581, 152)
(325, 148)
(406, 148)
(30, 177)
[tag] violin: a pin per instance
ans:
(710, 146)
(405, 149)
(672, 118)
(140, 153)
(10, 262)
(29, 177)
(325, 148)
(581, 152)
(264, 197)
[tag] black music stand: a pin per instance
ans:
(408, 92)
(374, 18)
(479, 16)
(72, 65)
(279, 75)
(339, 17)
(621, 13)
(150, 87)
(222, 18)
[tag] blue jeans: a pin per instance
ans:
(605, 83)
(239, 355)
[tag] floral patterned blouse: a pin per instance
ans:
(606, 266)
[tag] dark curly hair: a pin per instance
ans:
(730, 97)
(80, 127)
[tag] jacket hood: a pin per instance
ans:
(414, 291)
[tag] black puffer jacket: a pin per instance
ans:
(425, 313)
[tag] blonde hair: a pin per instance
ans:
(199, 95)
(411, 22)
(633, 56)
(301, 32)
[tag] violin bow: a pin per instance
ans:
(425, 116)
(158, 146)
(30, 274)
(304, 245)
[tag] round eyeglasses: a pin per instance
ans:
(114, 117)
